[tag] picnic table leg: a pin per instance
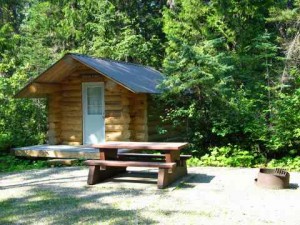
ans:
(168, 176)
(96, 174)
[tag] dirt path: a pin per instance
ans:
(207, 196)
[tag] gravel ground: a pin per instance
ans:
(207, 195)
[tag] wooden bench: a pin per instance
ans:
(102, 169)
(115, 163)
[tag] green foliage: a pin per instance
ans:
(22, 122)
(9, 163)
(288, 162)
(5, 142)
(228, 156)
(233, 74)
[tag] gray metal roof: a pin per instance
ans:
(137, 78)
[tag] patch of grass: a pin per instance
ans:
(9, 163)
(47, 207)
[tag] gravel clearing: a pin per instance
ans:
(208, 195)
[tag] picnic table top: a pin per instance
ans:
(142, 145)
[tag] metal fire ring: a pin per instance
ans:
(273, 178)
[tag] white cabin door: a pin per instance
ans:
(93, 112)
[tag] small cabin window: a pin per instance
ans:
(94, 104)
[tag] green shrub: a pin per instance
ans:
(228, 156)
(289, 163)
(5, 142)
(9, 163)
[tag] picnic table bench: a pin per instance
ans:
(171, 165)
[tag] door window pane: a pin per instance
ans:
(94, 104)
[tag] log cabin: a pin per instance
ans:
(93, 100)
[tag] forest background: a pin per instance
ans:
(233, 68)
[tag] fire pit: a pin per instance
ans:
(273, 178)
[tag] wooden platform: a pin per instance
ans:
(57, 151)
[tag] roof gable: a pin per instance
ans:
(134, 77)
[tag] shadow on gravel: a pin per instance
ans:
(135, 177)
(54, 204)
(192, 179)
(199, 178)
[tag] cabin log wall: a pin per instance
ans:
(125, 112)
(54, 119)
(138, 115)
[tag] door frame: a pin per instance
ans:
(85, 85)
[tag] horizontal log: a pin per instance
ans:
(71, 128)
(71, 136)
(116, 127)
(84, 70)
(138, 114)
(71, 121)
(92, 79)
(113, 107)
(125, 101)
(77, 104)
(71, 99)
(72, 143)
(117, 135)
(140, 136)
(113, 103)
(43, 88)
(72, 114)
(138, 108)
(113, 113)
(139, 120)
(112, 98)
(139, 127)
(117, 120)
(71, 94)
(54, 111)
(54, 104)
(70, 140)
(121, 138)
(76, 87)
(71, 107)
(55, 97)
(70, 80)
(117, 91)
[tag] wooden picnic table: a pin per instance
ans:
(171, 165)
